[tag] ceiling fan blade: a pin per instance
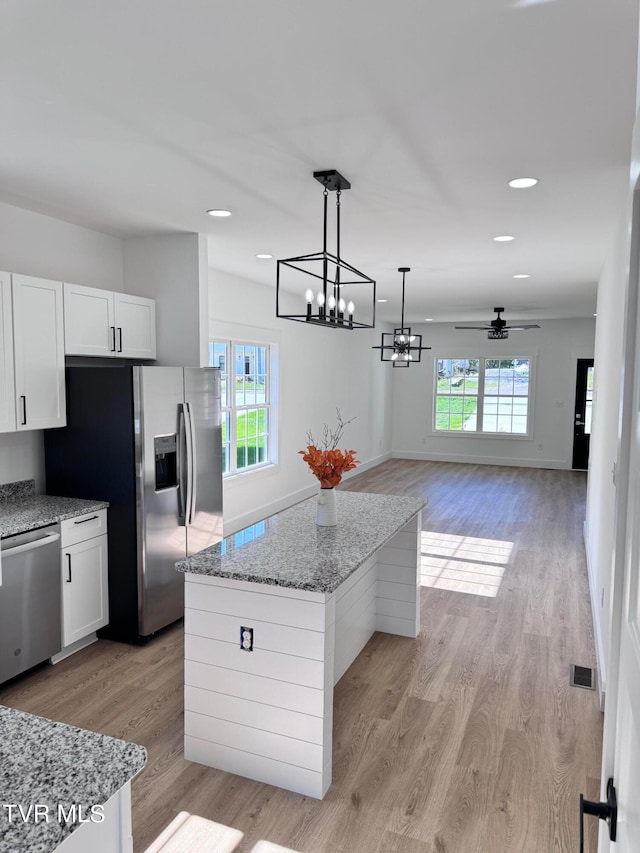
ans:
(477, 328)
(522, 328)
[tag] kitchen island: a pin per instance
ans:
(63, 788)
(275, 615)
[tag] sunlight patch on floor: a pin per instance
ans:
(463, 563)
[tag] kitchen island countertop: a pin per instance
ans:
(288, 549)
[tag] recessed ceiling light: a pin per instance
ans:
(523, 183)
(381, 300)
(428, 319)
(264, 256)
(220, 212)
(504, 238)
(522, 275)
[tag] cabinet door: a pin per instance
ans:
(89, 325)
(85, 598)
(7, 382)
(38, 336)
(135, 326)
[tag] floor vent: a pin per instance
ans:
(582, 676)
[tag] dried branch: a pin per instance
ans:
(330, 438)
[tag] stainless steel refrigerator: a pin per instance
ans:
(148, 440)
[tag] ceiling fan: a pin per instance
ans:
(497, 330)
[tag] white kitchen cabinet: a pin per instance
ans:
(135, 325)
(7, 380)
(38, 338)
(85, 595)
(89, 322)
(109, 324)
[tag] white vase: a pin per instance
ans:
(327, 514)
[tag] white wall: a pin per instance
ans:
(556, 346)
(319, 370)
(601, 492)
(33, 244)
(173, 270)
(40, 245)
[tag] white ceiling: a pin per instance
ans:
(136, 116)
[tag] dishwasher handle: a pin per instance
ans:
(29, 546)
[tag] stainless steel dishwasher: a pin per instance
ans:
(30, 610)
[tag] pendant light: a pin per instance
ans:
(401, 347)
(337, 295)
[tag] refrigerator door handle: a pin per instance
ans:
(190, 454)
(194, 466)
(182, 466)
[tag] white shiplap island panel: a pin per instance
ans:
(313, 597)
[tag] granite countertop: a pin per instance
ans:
(21, 509)
(52, 764)
(290, 549)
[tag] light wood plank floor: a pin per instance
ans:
(468, 739)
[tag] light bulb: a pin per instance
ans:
(351, 308)
(309, 296)
(331, 302)
(402, 339)
(412, 338)
(342, 305)
(407, 357)
(394, 356)
(320, 298)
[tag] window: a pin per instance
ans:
(247, 422)
(482, 395)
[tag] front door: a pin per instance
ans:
(583, 411)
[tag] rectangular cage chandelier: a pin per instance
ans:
(322, 289)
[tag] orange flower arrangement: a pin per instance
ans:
(326, 462)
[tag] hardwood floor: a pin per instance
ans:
(468, 739)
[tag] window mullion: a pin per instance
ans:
(231, 385)
(481, 376)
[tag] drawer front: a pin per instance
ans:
(83, 527)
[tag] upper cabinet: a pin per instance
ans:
(7, 380)
(104, 323)
(38, 338)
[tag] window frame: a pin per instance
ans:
(482, 357)
(232, 408)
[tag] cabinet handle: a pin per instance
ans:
(84, 520)
(120, 338)
(69, 568)
(24, 409)
(113, 338)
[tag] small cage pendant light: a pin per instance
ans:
(401, 347)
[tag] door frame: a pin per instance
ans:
(623, 483)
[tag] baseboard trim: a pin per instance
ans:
(513, 462)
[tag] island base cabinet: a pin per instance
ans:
(107, 830)
(264, 710)
(266, 714)
(85, 598)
